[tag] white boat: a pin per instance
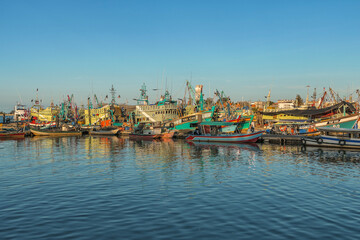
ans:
(334, 137)
(20, 112)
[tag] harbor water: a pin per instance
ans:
(115, 188)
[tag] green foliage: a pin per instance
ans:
(298, 100)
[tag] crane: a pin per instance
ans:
(322, 99)
(97, 101)
(336, 98)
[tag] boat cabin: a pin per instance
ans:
(216, 128)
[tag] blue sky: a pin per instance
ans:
(242, 47)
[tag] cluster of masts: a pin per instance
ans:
(326, 98)
(195, 96)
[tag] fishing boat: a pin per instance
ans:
(145, 132)
(334, 137)
(164, 110)
(20, 112)
(223, 132)
(55, 132)
(104, 131)
(11, 134)
(139, 136)
(341, 122)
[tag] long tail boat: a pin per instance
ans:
(223, 132)
(136, 136)
(55, 133)
(106, 131)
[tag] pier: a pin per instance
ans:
(281, 139)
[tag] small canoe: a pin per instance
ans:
(57, 133)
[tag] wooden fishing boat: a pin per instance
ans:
(11, 134)
(227, 138)
(144, 132)
(137, 136)
(334, 137)
(223, 132)
(104, 131)
(55, 133)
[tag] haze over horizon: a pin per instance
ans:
(244, 48)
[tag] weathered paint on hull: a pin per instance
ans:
(233, 138)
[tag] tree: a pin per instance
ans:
(298, 101)
(209, 101)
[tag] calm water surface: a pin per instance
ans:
(113, 188)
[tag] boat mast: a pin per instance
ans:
(112, 91)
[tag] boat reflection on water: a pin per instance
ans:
(78, 147)
(333, 155)
(226, 152)
(173, 157)
(239, 146)
(159, 149)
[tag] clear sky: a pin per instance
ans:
(242, 47)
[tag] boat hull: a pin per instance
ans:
(329, 141)
(231, 138)
(144, 136)
(168, 134)
(104, 132)
(12, 135)
(55, 134)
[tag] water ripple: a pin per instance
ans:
(106, 188)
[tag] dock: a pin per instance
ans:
(281, 139)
